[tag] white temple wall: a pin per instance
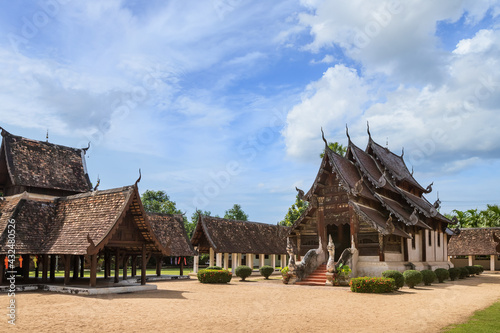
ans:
(440, 245)
(415, 254)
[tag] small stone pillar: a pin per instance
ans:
(262, 260)
(273, 261)
(218, 259)
(234, 262)
(283, 261)
(250, 260)
(492, 262)
(470, 260)
(226, 261)
(196, 261)
(211, 260)
(239, 255)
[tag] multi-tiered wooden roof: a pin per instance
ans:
(378, 187)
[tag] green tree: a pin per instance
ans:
(158, 202)
(336, 147)
(472, 218)
(236, 213)
(294, 212)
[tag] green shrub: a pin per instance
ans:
(454, 273)
(480, 269)
(214, 276)
(266, 271)
(217, 268)
(412, 277)
(372, 285)
(398, 277)
(464, 272)
(442, 274)
(243, 272)
(471, 270)
(428, 276)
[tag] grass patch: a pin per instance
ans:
(164, 271)
(486, 321)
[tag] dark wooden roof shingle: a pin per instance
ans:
(45, 165)
(169, 230)
(475, 241)
(232, 236)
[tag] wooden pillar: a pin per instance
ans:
(45, 268)
(26, 267)
(67, 268)
(492, 262)
(158, 265)
(125, 266)
(299, 241)
(117, 265)
(37, 268)
(82, 266)
(106, 263)
(93, 270)
(211, 259)
(53, 267)
(181, 270)
(134, 266)
(143, 265)
(76, 264)
(226, 261)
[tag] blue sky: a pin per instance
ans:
(221, 101)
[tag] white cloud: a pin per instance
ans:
(481, 42)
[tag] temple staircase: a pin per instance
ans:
(316, 278)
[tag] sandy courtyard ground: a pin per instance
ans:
(258, 306)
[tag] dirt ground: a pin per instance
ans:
(254, 306)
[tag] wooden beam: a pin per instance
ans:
(143, 265)
(117, 265)
(82, 266)
(76, 264)
(45, 268)
(26, 267)
(37, 268)
(134, 266)
(122, 244)
(67, 268)
(2, 268)
(93, 270)
(106, 264)
(158, 265)
(125, 266)
(182, 266)
(53, 258)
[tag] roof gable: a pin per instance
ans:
(38, 164)
(475, 241)
(170, 231)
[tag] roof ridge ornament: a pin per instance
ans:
(412, 170)
(323, 137)
(382, 180)
(358, 187)
(390, 226)
(300, 194)
(138, 179)
(85, 149)
(347, 132)
(414, 217)
(98, 183)
(368, 130)
(47, 136)
(402, 152)
(429, 188)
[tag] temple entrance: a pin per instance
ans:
(341, 236)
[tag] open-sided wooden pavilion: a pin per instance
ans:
(368, 200)
(477, 244)
(228, 240)
(47, 195)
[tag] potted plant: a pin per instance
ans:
(285, 276)
(342, 275)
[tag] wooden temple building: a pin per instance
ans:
(368, 201)
(170, 230)
(57, 216)
(476, 246)
(232, 242)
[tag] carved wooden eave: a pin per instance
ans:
(382, 230)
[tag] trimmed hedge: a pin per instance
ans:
(471, 269)
(412, 277)
(398, 277)
(214, 276)
(372, 285)
(454, 273)
(266, 271)
(243, 272)
(464, 272)
(480, 269)
(428, 276)
(442, 274)
(217, 268)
